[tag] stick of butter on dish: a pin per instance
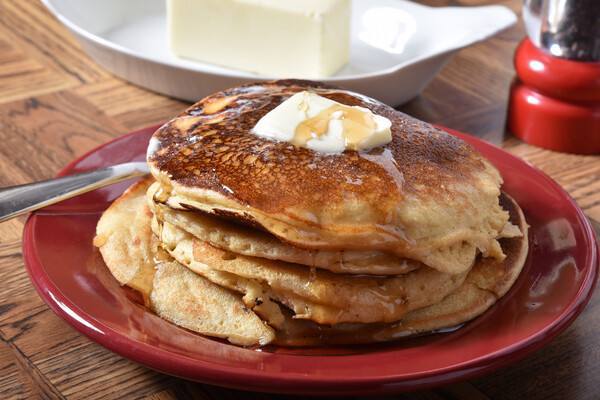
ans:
(275, 38)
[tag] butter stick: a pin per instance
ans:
(274, 38)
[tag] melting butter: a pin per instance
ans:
(356, 125)
(318, 123)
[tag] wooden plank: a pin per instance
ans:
(22, 76)
(21, 379)
(18, 300)
(47, 40)
(15, 384)
(182, 389)
(131, 106)
(567, 368)
(11, 230)
(47, 347)
(463, 390)
(55, 128)
(578, 175)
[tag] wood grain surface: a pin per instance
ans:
(56, 103)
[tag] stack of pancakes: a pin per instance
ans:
(263, 242)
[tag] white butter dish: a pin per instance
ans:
(397, 46)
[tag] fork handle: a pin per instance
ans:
(21, 199)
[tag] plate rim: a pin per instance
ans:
(294, 382)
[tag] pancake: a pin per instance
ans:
(486, 283)
(426, 196)
(192, 302)
(241, 239)
(188, 300)
(259, 242)
(125, 240)
(129, 249)
(322, 296)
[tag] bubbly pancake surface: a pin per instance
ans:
(426, 195)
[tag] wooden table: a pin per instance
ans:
(56, 104)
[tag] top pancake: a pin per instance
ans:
(426, 195)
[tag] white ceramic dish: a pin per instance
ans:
(397, 46)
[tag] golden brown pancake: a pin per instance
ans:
(426, 196)
(267, 242)
(192, 302)
(125, 239)
(176, 294)
(487, 282)
(241, 239)
(324, 297)
(188, 300)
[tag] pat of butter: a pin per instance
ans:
(318, 123)
(275, 38)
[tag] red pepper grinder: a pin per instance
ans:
(555, 99)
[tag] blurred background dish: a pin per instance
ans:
(394, 44)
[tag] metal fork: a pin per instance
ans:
(21, 199)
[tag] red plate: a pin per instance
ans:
(555, 285)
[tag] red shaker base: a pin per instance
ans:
(555, 103)
(553, 124)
